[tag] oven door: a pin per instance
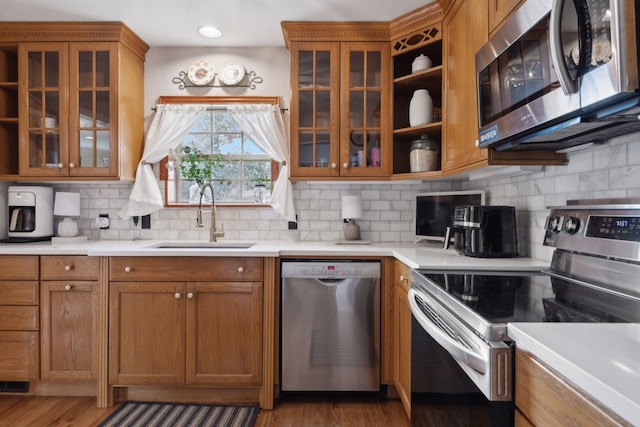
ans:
(456, 377)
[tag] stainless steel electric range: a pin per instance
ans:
(462, 358)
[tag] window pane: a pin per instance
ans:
(243, 164)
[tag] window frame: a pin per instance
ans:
(216, 100)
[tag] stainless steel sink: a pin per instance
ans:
(203, 245)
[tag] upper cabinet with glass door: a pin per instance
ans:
(340, 104)
(81, 114)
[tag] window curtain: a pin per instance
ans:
(263, 124)
(169, 126)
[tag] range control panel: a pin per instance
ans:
(611, 230)
(330, 270)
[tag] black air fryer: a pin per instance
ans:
(485, 231)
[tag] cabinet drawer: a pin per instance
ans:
(69, 267)
(185, 269)
(18, 318)
(18, 267)
(19, 356)
(19, 293)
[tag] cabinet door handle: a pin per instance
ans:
(68, 268)
(240, 269)
(345, 165)
(190, 295)
(60, 165)
(333, 165)
(127, 269)
(72, 165)
(67, 288)
(402, 279)
(177, 295)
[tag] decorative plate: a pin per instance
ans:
(201, 73)
(232, 73)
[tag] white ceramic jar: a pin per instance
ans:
(421, 63)
(420, 108)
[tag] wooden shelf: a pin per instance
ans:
(430, 77)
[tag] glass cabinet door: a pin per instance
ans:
(43, 126)
(314, 121)
(366, 101)
(92, 109)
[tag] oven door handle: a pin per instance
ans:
(454, 348)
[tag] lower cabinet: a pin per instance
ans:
(69, 310)
(192, 332)
(19, 320)
(402, 277)
(545, 398)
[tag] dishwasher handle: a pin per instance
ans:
(330, 282)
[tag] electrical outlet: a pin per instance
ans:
(293, 225)
(146, 221)
(103, 221)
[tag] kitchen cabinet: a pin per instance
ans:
(465, 30)
(69, 309)
(186, 321)
(402, 276)
(340, 100)
(19, 321)
(499, 10)
(543, 397)
(81, 112)
(425, 41)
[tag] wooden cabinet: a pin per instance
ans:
(186, 321)
(499, 10)
(19, 321)
(340, 100)
(402, 280)
(69, 310)
(545, 398)
(425, 41)
(465, 30)
(81, 111)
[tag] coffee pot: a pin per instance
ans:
(30, 215)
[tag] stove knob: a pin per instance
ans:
(570, 225)
(553, 224)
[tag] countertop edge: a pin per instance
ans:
(548, 343)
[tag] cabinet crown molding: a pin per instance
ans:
(71, 32)
(335, 31)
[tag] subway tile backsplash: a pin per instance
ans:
(609, 170)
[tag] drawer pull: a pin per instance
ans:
(127, 269)
(67, 288)
(190, 295)
(177, 295)
(240, 269)
(68, 268)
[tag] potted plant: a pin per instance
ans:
(199, 168)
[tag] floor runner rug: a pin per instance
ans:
(150, 414)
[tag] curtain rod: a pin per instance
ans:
(282, 110)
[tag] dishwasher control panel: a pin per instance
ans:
(330, 269)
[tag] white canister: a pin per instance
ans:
(421, 63)
(420, 108)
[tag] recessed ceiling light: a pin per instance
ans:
(210, 32)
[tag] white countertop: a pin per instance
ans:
(603, 359)
(413, 255)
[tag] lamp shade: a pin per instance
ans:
(67, 204)
(351, 207)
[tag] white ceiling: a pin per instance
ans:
(175, 22)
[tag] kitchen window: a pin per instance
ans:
(245, 174)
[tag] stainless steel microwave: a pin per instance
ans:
(558, 74)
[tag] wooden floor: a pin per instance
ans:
(298, 411)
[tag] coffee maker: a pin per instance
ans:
(30, 212)
(485, 231)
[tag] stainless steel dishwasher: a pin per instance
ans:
(330, 325)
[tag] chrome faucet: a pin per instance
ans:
(214, 233)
